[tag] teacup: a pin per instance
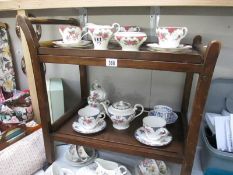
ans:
(89, 111)
(154, 127)
(163, 111)
(89, 122)
(149, 167)
(89, 117)
(170, 37)
(71, 34)
(130, 41)
(77, 153)
(105, 167)
(130, 29)
(101, 34)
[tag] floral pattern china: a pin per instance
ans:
(78, 127)
(152, 167)
(170, 37)
(140, 135)
(130, 41)
(122, 113)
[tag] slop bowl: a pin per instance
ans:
(130, 41)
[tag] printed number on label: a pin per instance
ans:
(111, 62)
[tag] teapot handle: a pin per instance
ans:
(135, 108)
(116, 26)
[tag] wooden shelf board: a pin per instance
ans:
(124, 141)
(187, 56)
(48, 4)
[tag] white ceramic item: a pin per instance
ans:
(77, 153)
(73, 156)
(89, 111)
(97, 95)
(78, 127)
(89, 122)
(152, 167)
(101, 34)
(130, 29)
(71, 34)
(157, 47)
(142, 138)
(105, 167)
(56, 169)
(90, 170)
(170, 37)
(81, 43)
(130, 41)
(154, 127)
(122, 113)
(164, 112)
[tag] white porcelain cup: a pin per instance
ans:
(170, 37)
(90, 123)
(105, 167)
(71, 34)
(77, 153)
(130, 41)
(154, 127)
(149, 167)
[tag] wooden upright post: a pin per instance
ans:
(30, 74)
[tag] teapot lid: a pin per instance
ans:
(121, 105)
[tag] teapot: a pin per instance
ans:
(101, 34)
(122, 113)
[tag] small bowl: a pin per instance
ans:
(130, 41)
(164, 112)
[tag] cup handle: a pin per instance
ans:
(100, 117)
(116, 26)
(138, 29)
(123, 170)
(149, 129)
(77, 150)
(135, 108)
(185, 31)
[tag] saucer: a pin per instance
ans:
(141, 137)
(80, 129)
(156, 47)
(80, 163)
(82, 43)
(169, 120)
(90, 170)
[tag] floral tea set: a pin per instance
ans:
(130, 38)
(153, 132)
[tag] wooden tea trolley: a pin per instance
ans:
(199, 60)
